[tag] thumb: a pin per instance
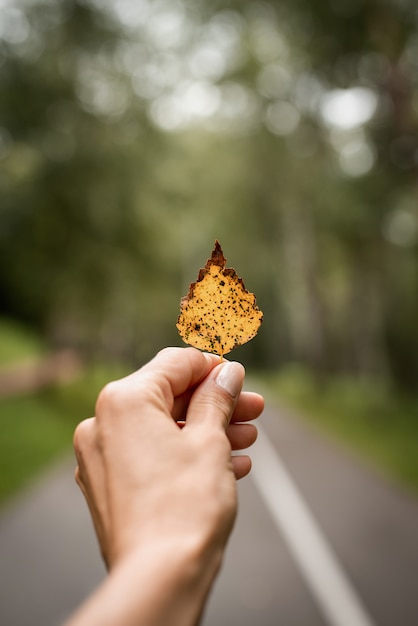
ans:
(215, 398)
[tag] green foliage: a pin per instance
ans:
(32, 434)
(18, 343)
(131, 138)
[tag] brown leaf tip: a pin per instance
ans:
(217, 257)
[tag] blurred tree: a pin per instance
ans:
(338, 92)
(132, 134)
(74, 242)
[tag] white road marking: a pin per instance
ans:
(334, 593)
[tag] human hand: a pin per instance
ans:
(150, 482)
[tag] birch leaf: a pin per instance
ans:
(218, 313)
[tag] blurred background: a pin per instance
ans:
(133, 133)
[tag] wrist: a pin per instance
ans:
(165, 582)
(161, 583)
(184, 570)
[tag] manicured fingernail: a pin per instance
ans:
(231, 377)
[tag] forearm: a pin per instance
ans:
(161, 585)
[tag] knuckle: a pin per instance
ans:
(168, 351)
(84, 439)
(216, 408)
(110, 398)
(77, 477)
(79, 436)
(224, 406)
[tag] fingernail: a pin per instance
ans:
(231, 377)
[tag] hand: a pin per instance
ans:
(155, 463)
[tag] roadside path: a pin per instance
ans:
(49, 559)
(48, 552)
(34, 374)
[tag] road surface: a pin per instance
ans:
(49, 559)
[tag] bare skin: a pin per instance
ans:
(156, 469)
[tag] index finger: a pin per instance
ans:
(178, 369)
(169, 374)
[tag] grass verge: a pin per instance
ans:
(368, 416)
(36, 428)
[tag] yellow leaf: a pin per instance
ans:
(218, 313)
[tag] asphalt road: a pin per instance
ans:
(49, 559)
(370, 524)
